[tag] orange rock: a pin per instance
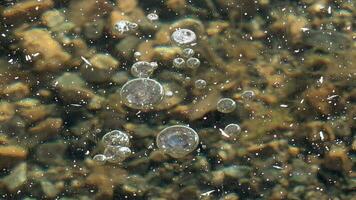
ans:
(11, 154)
(126, 5)
(47, 128)
(51, 56)
(7, 111)
(26, 9)
(17, 90)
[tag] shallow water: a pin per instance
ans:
(287, 69)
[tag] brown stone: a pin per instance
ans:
(7, 111)
(11, 154)
(26, 9)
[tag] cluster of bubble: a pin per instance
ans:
(116, 147)
(124, 26)
(177, 141)
(185, 38)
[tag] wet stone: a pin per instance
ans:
(100, 68)
(142, 93)
(177, 141)
(16, 179)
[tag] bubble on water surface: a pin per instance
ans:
(116, 154)
(178, 62)
(115, 138)
(125, 26)
(200, 84)
(193, 63)
(177, 141)
(184, 37)
(143, 69)
(188, 52)
(232, 130)
(100, 158)
(152, 17)
(142, 93)
(226, 105)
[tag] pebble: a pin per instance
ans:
(100, 68)
(26, 10)
(16, 179)
(7, 111)
(11, 154)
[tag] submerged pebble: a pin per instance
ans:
(177, 141)
(142, 93)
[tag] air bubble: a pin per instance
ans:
(200, 84)
(232, 130)
(193, 63)
(188, 53)
(142, 93)
(116, 154)
(143, 69)
(178, 62)
(152, 17)
(226, 105)
(116, 138)
(183, 37)
(177, 141)
(100, 158)
(125, 26)
(248, 95)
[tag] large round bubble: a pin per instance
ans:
(177, 141)
(226, 105)
(143, 69)
(184, 37)
(116, 138)
(142, 93)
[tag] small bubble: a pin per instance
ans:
(178, 62)
(142, 69)
(232, 130)
(193, 63)
(142, 93)
(200, 84)
(100, 158)
(137, 54)
(115, 138)
(248, 95)
(152, 17)
(184, 37)
(177, 141)
(188, 52)
(116, 154)
(125, 26)
(226, 105)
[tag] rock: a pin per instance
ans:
(50, 54)
(42, 131)
(176, 5)
(178, 95)
(317, 98)
(26, 10)
(72, 89)
(126, 6)
(327, 41)
(204, 105)
(53, 18)
(126, 47)
(11, 154)
(16, 179)
(16, 91)
(140, 130)
(158, 156)
(100, 69)
(31, 110)
(49, 189)
(7, 111)
(216, 27)
(237, 172)
(231, 196)
(90, 10)
(338, 160)
(189, 192)
(51, 153)
(166, 53)
(120, 78)
(94, 30)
